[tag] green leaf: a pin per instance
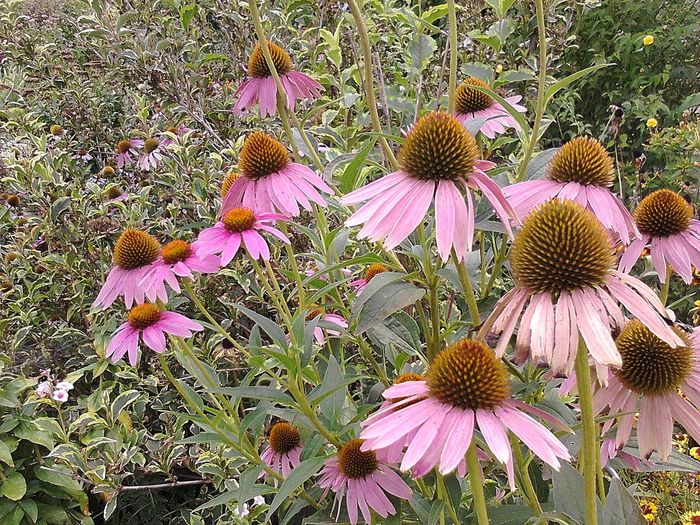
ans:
(689, 102)
(256, 392)
(332, 405)
(14, 486)
(59, 206)
(348, 179)
(384, 295)
(435, 512)
(620, 507)
(122, 401)
(568, 496)
(187, 13)
(268, 326)
(296, 478)
(509, 514)
(30, 509)
(434, 13)
(537, 167)
(561, 84)
(421, 49)
(6, 454)
(31, 433)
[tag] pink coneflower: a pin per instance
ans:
(269, 181)
(128, 150)
(566, 285)
(115, 194)
(178, 259)
(466, 388)
(438, 160)
(152, 154)
(82, 154)
(150, 324)
(328, 319)
(364, 478)
(609, 451)
(284, 450)
(133, 254)
(260, 86)
(370, 273)
(471, 104)
(239, 226)
(667, 227)
(581, 171)
(660, 382)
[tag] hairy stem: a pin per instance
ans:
(589, 454)
(466, 283)
(452, 85)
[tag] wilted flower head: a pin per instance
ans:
(269, 181)
(471, 103)
(260, 86)
(670, 233)
(581, 171)
(152, 153)
(566, 288)
(127, 150)
(438, 160)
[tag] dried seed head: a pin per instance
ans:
(561, 246)
(123, 146)
(438, 148)
(14, 201)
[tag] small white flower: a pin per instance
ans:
(241, 512)
(60, 395)
(258, 500)
(65, 385)
(44, 389)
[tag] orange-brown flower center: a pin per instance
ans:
(663, 213)
(355, 463)
(257, 66)
(231, 177)
(239, 219)
(176, 251)
(150, 145)
(144, 315)
(315, 312)
(373, 270)
(284, 437)
(583, 160)
(470, 100)
(262, 155)
(135, 249)
(123, 146)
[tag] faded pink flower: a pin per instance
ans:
(438, 162)
(669, 230)
(269, 181)
(128, 150)
(327, 320)
(566, 287)
(581, 171)
(472, 104)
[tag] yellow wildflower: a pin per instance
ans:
(649, 509)
(648, 40)
(652, 123)
(695, 452)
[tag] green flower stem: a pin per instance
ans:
(306, 409)
(273, 296)
(600, 478)
(293, 264)
(369, 84)
(444, 496)
(276, 286)
(527, 486)
(466, 283)
(367, 354)
(307, 141)
(452, 85)
(253, 457)
(497, 266)
(187, 285)
(281, 93)
(587, 461)
(541, 88)
(665, 287)
(432, 281)
(476, 479)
